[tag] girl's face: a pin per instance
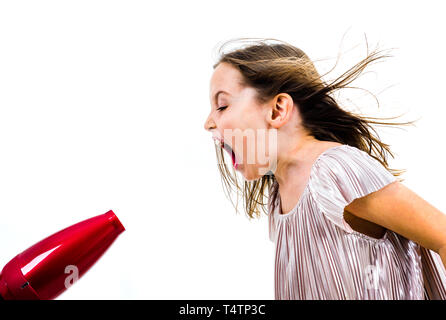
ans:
(239, 121)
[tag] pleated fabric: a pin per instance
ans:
(319, 256)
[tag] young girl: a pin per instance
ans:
(343, 225)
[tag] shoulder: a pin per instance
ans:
(348, 171)
(345, 157)
(342, 152)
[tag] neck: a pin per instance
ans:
(295, 158)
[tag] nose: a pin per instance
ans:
(209, 124)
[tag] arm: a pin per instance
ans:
(399, 209)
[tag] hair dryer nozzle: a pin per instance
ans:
(52, 265)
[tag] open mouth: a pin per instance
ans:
(229, 150)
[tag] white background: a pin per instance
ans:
(102, 106)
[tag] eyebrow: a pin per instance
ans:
(216, 95)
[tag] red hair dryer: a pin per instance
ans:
(48, 268)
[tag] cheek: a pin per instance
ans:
(246, 146)
(262, 149)
(232, 127)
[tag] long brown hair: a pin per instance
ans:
(273, 68)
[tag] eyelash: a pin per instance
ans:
(222, 108)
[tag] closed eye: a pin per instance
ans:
(222, 108)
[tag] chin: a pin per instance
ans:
(252, 173)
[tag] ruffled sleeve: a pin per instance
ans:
(342, 174)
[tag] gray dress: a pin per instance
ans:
(319, 256)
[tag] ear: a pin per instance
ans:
(281, 109)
